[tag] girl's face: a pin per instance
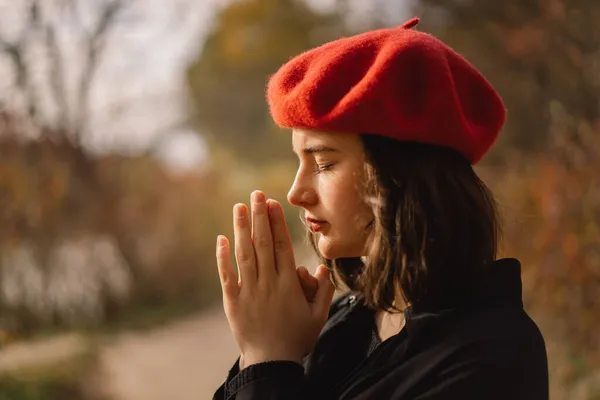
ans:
(329, 187)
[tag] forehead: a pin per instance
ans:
(343, 142)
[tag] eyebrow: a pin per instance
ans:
(318, 149)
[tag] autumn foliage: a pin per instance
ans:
(159, 228)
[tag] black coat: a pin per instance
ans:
(489, 349)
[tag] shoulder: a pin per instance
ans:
(494, 353)
(503, 333)
(504, 348)
(510, 326)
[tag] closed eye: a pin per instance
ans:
(324, 167)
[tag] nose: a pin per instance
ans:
(301, 194)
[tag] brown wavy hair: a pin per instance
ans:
(435, 228)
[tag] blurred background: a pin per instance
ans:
(129, 128)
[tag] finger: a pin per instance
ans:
(244, 249)
(227, 274)
(262, 237)
(284, 250)
(324, 293)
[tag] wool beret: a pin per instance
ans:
(396, 82)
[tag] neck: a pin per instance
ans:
(389, 324)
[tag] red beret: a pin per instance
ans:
(398, 82)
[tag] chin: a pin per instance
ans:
(332, 249)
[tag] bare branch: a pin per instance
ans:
(95, 46)
(16, 53)
(57, 79)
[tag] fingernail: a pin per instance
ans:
(274, 208)
(239, 210)
(221, 242)
(322, 270)
(259, 197)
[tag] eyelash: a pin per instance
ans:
(322, 168)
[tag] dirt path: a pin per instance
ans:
(185, 360)
(41, 353)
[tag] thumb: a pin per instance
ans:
(324, 293)
(308, 282)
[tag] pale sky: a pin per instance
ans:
(139, 93)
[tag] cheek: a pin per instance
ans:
(348, 205)
(342, 195)
(349, 218)
(340, 192)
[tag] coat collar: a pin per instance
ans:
(500, 286)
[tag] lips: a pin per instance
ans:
(315, 224)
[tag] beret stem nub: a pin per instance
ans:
(411, 23)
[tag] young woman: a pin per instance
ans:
(387, 126)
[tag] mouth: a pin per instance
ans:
(315, 224)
